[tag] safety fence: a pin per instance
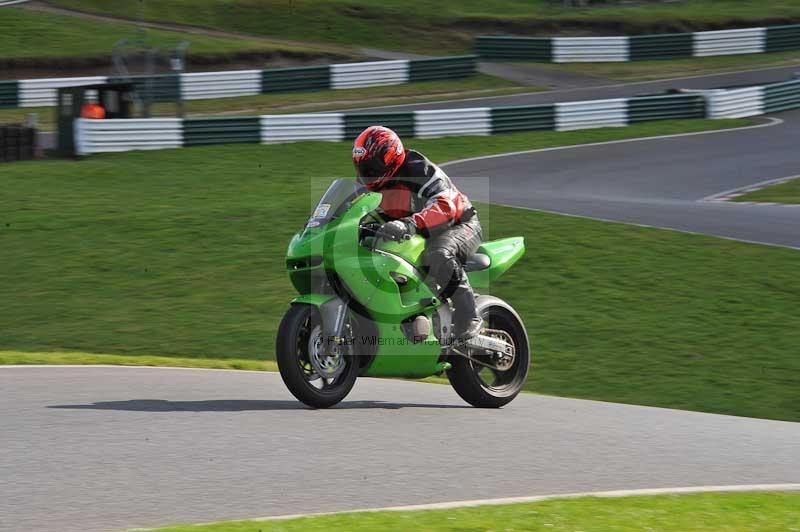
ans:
(205, 85)
(639, 47)
(751, 101)
(96, 136)
(735, 103)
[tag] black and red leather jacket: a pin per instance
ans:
(421, 191)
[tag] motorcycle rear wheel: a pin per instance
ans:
(484, 387)
(300, 338)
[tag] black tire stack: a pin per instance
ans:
(17, 143)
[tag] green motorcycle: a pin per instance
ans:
(364, 309)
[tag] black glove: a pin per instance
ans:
(398, 229)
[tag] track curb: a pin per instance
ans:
(728, 195)
(535, 498)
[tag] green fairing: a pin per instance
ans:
(369, 278)
(411, 250)
(503, 254)
(312, 299)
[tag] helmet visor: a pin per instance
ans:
(370, 169)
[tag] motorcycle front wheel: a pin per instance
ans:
(315, 377)
(473, 379)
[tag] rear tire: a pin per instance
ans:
(467, 377)
(299, 334)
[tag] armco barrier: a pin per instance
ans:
(782, 96)
(670, 107)
(514, 48)
(296, 79)
(402, 123)
(441, 68)
(523, 118)
(43, 92)
(201, 131)
(782, 38)
(735, 103)
(207, 85)
(590, 49)
(639, 47)
(289, 128)
(428, 124)
(9, 94)
(351, 75)
(202, 85)
(729, 42)
(587, 115)
(96, 136)
(666, 46)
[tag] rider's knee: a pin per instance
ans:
(439, 256)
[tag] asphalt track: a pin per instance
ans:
(95, 448)
(660, 182)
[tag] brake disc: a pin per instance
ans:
(328, 361)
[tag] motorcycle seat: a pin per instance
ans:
(477, 262)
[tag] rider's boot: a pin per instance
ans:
(467, 323)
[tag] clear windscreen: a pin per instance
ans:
(335, 201)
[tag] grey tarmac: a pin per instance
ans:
(89, 449)
(660, 182)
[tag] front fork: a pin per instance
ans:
(334, 318)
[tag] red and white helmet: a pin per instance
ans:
(377, 155)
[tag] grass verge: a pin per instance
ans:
(788, 192)
(677, 68)
(479, 85)
(666, 513)
(28, 34)
(439, 27)
(79, 358)
(180, 252)
(476, 86)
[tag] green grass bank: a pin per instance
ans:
(447, 25)
(179, 253)
(788, 192)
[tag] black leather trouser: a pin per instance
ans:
(446, 254)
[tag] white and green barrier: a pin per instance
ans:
(97, 136)
(639, 47)
(205, 85)
(742, 102)
(100, 136)
(735, 103)
(781, 96)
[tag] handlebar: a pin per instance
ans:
(378, 234)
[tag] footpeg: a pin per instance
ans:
(441, 367)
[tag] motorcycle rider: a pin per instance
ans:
(421, 199)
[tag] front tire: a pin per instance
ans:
(299, 339)
(483, 387)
